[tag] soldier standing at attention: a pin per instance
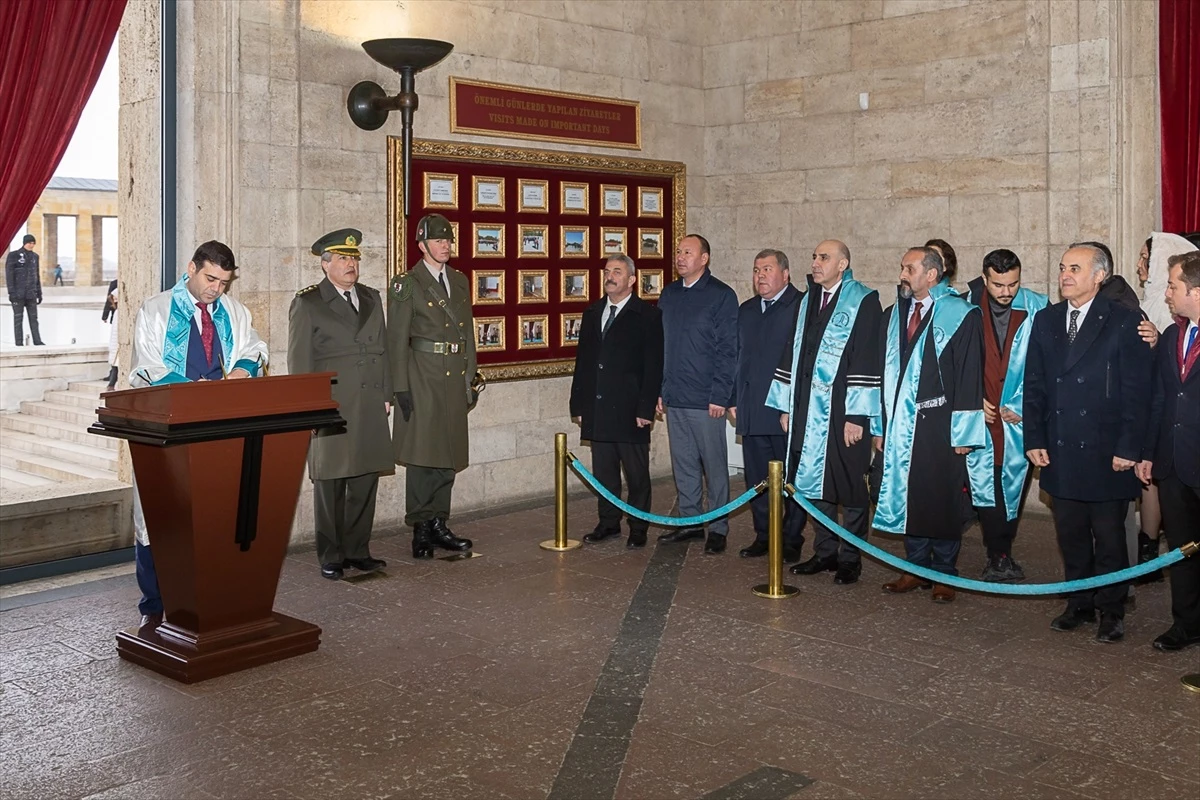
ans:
(431, 345)
(337, 326)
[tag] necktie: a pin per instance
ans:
(442, 281)
(1187, 350)
(915, 321)
(824, 299)
(1073, 328)
(612, 314)
(350, 301)
(206, 330)
(767, 304)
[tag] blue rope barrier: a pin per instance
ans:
(1062, 587)
(667, 522)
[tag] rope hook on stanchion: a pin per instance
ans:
(560, 542)
(775, 588)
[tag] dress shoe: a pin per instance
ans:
(814, 565)
(1112, 629)
(847, 574)
(942, 593)
(154, 620)
(681, 535)
(333, 572)
(791, 554)
(1072, 618)
(1002, 568)
(636, 539)
(757, 549)
(905, 583)
(1148, 551)
(443, 537)
(715, 544)
(422, 547)
(1176, 638)
(367, 564)
(600, 534)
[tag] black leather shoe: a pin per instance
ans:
(636, 539)
(1112, 629)
(154, 620)
(814, 565)
(443, 537)
(367, 564)
(681, 535)
(332, 571)
(421, 546)
(791, 554)
(1176, 638)
(1072, 618)
(600, 534)
(715, 544)
(757, 549)
(847, 574)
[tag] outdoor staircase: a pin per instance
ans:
(47, 442)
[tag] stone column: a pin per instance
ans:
(98, 251)
(47, 245)
(83, 249)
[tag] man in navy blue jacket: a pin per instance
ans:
(765, 324)
(700, 356)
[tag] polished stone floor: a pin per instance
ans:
(604, 673)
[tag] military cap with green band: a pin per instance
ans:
(343, 242)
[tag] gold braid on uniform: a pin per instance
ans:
(306, 290)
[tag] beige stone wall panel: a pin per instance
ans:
(746, 148)
(832, 13)
(961, 128)
(900, 222)
(1023, 172)
(888, 87)
(1064, 121)
(254, 48)
(624, 55)
(981, 220)
(1019, 124)
(902, 8)
(812, 223)
(735, 64)
(766, 225)
(774, 100)
(254, 110)
(322, 115)
(771, 187)
(1064, 67)
(796, 55)
(284, 97)
(1064, 171)
(724, 105)
(675, 64)
(1064, 21)
(844, 183)
(1019, 71)
(1031, 218)
(1093, 63)
(993, 27)
(566, 45)
(1064, 216)
(813, 142)
(1095, 118)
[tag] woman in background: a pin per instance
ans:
(110, 316)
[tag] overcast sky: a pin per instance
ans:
(93, 150)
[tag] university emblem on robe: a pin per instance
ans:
(841, 319)
(939, 335)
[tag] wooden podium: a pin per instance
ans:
(218, 466)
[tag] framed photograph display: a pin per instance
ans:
(489, 334)
(613, 241)
(571, 326)
(534, 195)
(613, 201)
(650, 283)
(650, 242)
(533, 241)
(454, 244)
(488, 287)
(650, 201)
(534, 331)
(487, 194)
(531, 238)
(488, 240)
(573, 198)
(532, 286)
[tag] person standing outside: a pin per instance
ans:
(22, 275)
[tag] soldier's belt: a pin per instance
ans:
(441, 348)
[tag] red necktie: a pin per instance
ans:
(915, 322)
(206, 330)
(824, 299)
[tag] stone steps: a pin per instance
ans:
(52, 429)
(89, 401)
(78, 416)
(71, 454)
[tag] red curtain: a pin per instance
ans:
(50, 59)
(1179, 81)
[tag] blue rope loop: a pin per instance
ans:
(1062, 587)
(657, 519)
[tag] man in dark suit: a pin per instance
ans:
(618, 374)
(1085, 420)
(765, 324)
(1173, 452)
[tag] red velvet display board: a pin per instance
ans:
(519, 231)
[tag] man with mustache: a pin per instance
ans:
(618, 373)
(932, 416)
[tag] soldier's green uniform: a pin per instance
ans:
(328, 332)
(431, 344)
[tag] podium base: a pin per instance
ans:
(166, 656)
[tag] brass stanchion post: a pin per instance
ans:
(560, 541)
(775, 587)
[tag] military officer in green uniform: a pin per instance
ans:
(431, 344)
(337, 326)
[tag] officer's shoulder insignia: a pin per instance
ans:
(401, 287)
(306, 290)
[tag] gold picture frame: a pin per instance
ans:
(454, 244)
(487, 193)
(533, 286)
(530, 244)
(441, 190)
(613, 241)
(573, 241)
(574, 286)
(614, 200)
(650, 201)
(489, 334)
(537, 191)
(573, 198)
(533, 331)
(650, 243)
(570, 327)
(487, 287)
(490, 246)
(649, 283)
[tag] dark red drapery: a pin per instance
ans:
(51, 54)
(1179, 81)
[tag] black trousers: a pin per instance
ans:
(998, 531)
(1181, 515)
(757, 453)
(1091, 538)
(21, 307)
(827, 545)
(607, 460)
(344, 511)
(427, 492)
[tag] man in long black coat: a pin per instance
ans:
(618, 374)
(22, 276)
(1086, 380)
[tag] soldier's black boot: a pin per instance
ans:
(443, 537)
(422, 547)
